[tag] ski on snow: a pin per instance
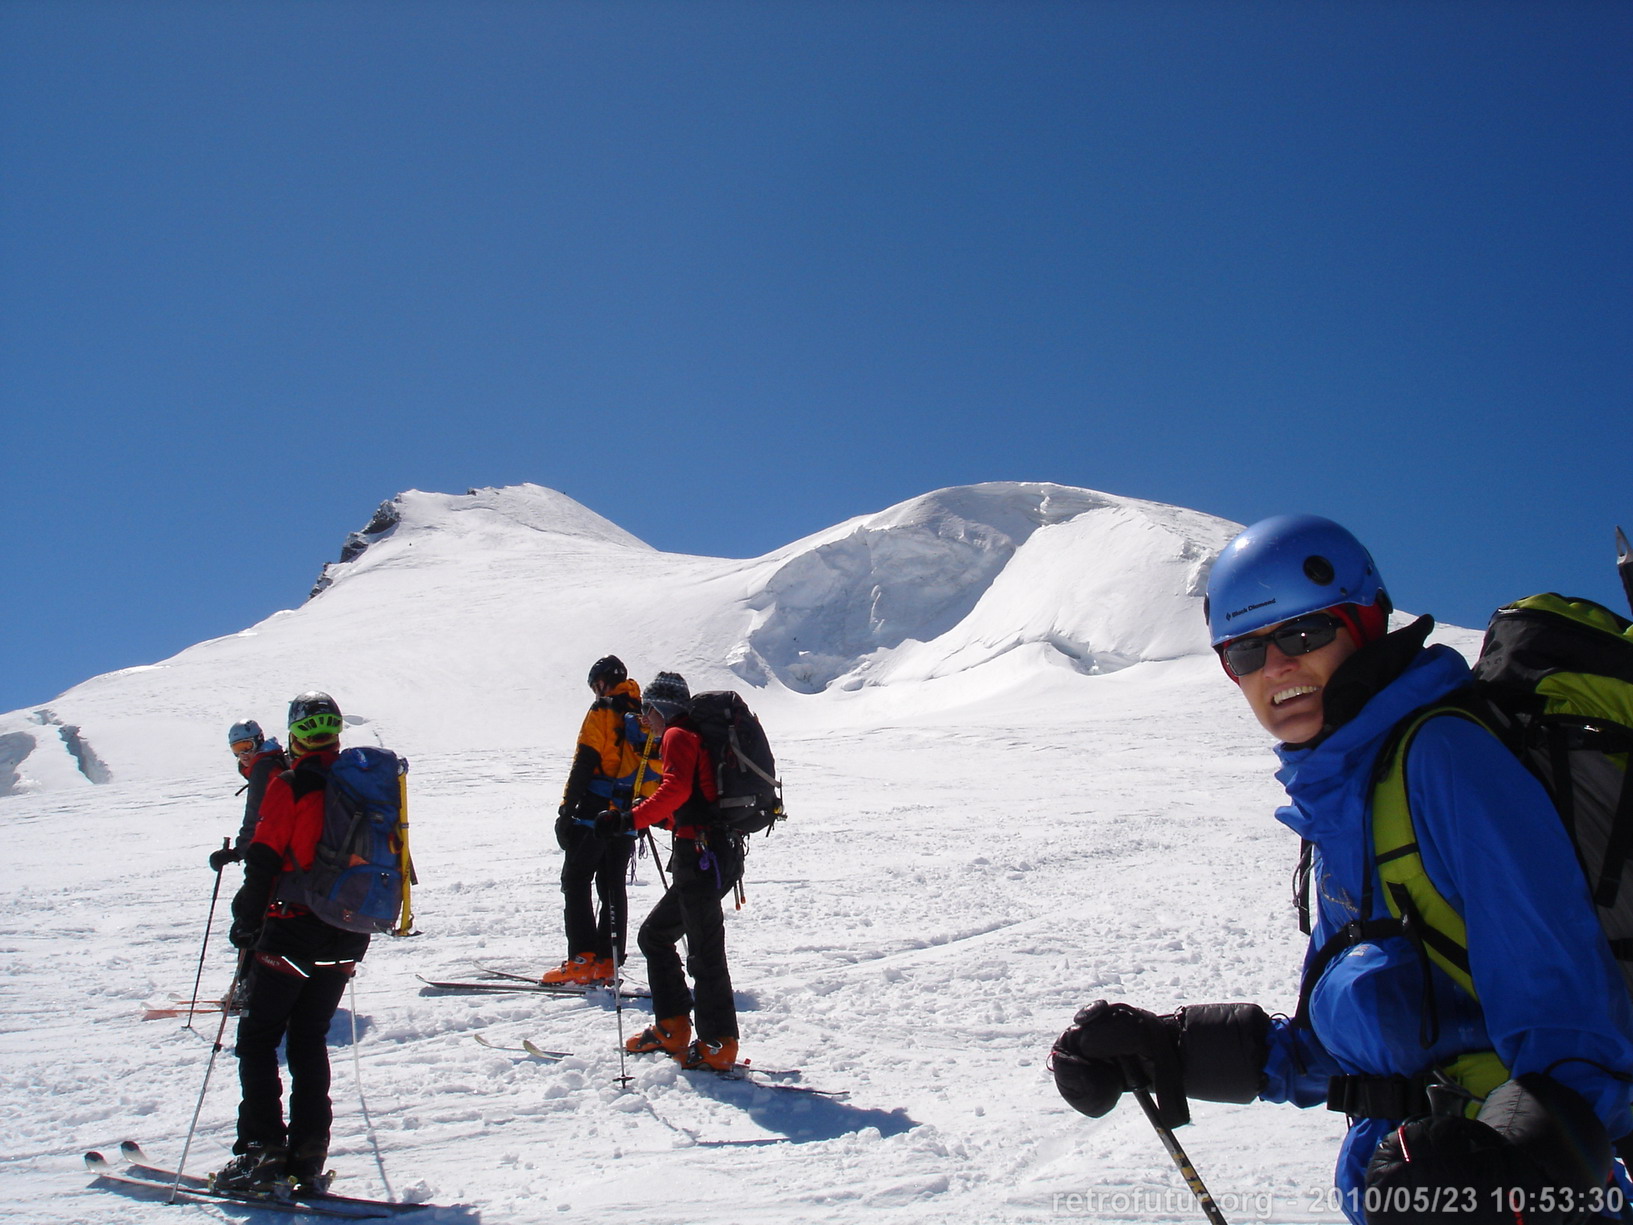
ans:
(500, 981)
(750, 1074)
(745, 1071)
(190, 1188)
(141, 1171)
(528, 1047)
(627, 991)
(181, 1008)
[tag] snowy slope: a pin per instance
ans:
(1018, 782)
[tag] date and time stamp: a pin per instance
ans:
(1332, 1204)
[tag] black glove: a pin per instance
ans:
(566, 829)
(611, 823)
(223, 857)
(1211, 1051)
(1112, 1047)
(1535, 1151)
(249, 905)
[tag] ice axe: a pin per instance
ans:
(1624, 565)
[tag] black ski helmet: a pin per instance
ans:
(609, 669)
(313, 716)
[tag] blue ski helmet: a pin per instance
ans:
(1284, 567)
(249, 729)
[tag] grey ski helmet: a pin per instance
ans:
(249, 729)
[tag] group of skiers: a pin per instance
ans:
(1480, 1043)
(640, 762)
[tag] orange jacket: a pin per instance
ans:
(610, 742)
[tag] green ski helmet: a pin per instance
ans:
(313, 716)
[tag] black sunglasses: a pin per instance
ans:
(1299, 636)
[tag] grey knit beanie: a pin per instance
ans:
(668, 694)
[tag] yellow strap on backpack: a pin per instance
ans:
(1410, 894)
(640, 771)
(1412, 897)
(405, 922)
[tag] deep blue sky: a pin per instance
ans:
(729, 273)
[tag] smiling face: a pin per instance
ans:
(1287, 694)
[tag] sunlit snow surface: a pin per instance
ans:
(1021, 783)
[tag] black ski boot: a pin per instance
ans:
(303, 1170)
(259, 1168)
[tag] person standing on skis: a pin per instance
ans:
(615, 754)
(259, 758)
(299, 969)
(1493, 1105)
(704, 866)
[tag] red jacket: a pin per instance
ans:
(292, 816)
(286, 835)
(687, 771)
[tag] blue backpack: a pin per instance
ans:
(360, 874)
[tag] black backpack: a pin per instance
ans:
(745, 772)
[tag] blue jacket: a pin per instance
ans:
(1551, 998)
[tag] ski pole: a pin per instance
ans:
(618, 996)
(634, 796)
(215, 1049)
(192, 1000)
(357, 1075)
(1187, 1171)
(657, 861)
(622, 922)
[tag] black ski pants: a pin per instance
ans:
(691, 908)
(595, 899)
(285, 1005)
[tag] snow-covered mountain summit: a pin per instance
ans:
(461, 522)
(468, 619)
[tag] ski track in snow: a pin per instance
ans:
(945, 895)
